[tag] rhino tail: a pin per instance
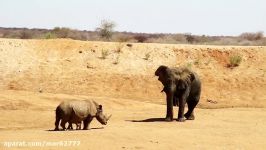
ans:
(58, 113)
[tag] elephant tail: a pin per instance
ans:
(175, 101)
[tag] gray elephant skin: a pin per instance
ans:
(77, 111)
(181, 86)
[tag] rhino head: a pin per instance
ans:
(101, 117)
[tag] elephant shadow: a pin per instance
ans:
(149, 120)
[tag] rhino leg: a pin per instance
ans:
(87, 122)
(63, 124)
(78, 126)
(57, 120)
(70, 127)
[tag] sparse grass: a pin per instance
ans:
(119, 47)
(189, 65)
(208, 62)
(117, 60)
(147, 56)
(197, 62)
(105, 53)
(234, 61)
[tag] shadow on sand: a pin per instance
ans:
(74, 129)
(149, 120)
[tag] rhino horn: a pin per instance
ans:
(109, 117)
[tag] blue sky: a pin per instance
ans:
(209, 17)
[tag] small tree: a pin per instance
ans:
(140, 38)
(106, 29)
(190, 38)
(61, 32)
(26, 34)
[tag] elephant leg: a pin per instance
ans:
(181, 109)
(169, 111)
(191, 105)
(87, 122)
(175, 101)
(57, 120)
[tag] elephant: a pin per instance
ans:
(76, 111)
(181, 86)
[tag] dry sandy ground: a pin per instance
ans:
(36, 75)
(27, 116)
(76, 67)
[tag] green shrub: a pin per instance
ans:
(49, 35)
(234, 61)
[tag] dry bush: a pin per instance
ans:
(105, 32)
(140, 38)
(117, 60)
(26, 34)
(119, 47)
(104, 53)
(190, 38)
(147, 56)
(61, 32)
(122, 37)
(106, 29)
(252, 36)
(180, 38)
(163, 39)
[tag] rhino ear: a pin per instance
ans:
(100, 108)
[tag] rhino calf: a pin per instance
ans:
(78, 126)
(76, 111)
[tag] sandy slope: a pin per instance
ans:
(36, 75)
(69, 66)
(27, 116)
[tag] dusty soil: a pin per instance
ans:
(28, 116)
(36, 75)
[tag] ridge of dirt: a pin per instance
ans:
(77, 67)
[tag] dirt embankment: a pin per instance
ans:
(78, 67)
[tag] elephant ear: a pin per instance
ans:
(161, 70)
(185, 78)
(181, 85)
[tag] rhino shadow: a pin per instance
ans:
(51, 130)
